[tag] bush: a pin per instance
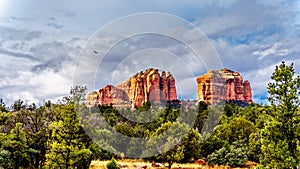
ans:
(112, 164)
(233, 155)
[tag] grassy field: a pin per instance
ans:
(133, 164)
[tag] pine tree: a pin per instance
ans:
(191, 143)
(66, 149)
(280, 135)
(14, 150)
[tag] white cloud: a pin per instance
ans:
(273, 50)
(259, 79)
(250, 36)
(36, 87)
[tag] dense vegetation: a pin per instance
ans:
(51, 135)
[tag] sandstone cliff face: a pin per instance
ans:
(142, 87)
(110, 94)
(223, 85)
(214, 87)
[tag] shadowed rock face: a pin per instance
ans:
(142, 87)
(223, 85)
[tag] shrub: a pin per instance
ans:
(234, 155)
(112, 164)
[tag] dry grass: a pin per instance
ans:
(133, 164)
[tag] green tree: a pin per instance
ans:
(14, 150)
(4, 116)
(78, 93)
(210, 145)
(191, 143)
(201, 116)
(35, 124)
(280, 135)
(3, 107)
(167, 144)
(18, 105)
(35, 121)
(67, 151)
(236, 129)
(110, 115)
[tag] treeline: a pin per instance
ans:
(66, 134)
(46, 136)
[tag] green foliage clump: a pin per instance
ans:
(255, 147)
(234, 155)
(112, 164)
(14, 151)
(236, 129)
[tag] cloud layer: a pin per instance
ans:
(41, 42)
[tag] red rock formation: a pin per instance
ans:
(142, 87)
(172, 95)
(247, 91)
(110, 94)
(217, 86)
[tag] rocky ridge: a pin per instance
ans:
(214, 87)
(223, 85)
(138, 89)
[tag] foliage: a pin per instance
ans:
(98, 153)
(231, 109)
(78, 93)
(66, 150)
(280, 136)
(110, 115)
(112, 164)
(14, 150)
(210, 145)
(37, 135)
(18, 105)
(201, 116)
(236, 129)
(3, 107)
(146, 106)
(166, 142)
(5, 159)
(233, 155)
(191, 143)
(255, 147)
(214, 117)
(50, 135)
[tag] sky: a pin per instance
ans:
(48, 46)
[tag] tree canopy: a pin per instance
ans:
(280, 136)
